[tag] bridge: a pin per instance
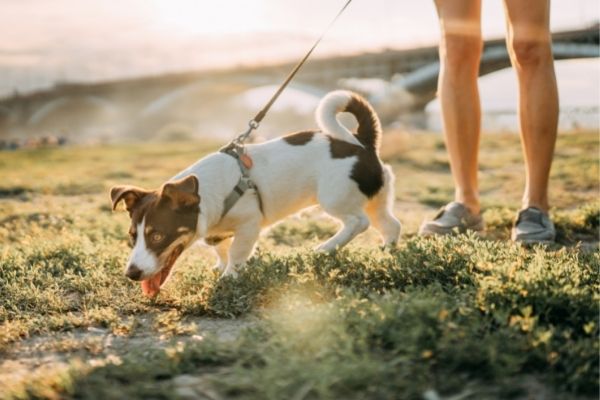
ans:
(411, 70)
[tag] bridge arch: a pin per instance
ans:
(200, 89)
(165, 100)
(68, 104)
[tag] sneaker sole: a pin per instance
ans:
(532, 242)
(446, 232)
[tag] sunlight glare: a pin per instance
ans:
(193, 17)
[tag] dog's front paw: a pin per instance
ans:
(389, 247)
(219, 267)
(325, 248)
(230, 270)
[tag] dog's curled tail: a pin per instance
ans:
(367, 135)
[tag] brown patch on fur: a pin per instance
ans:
(183, 192)
(129, 194)
(367, 172)
(369, 129)
(216, 239)
(299, 138)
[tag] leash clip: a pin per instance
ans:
(252, 125)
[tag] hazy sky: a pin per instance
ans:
(37, 23)
(42, 41)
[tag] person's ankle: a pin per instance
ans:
(540, 205)
(471, 202)
(475, 209)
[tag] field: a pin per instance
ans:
(462, 317)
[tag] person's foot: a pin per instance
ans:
(454, 217)
(533, 226)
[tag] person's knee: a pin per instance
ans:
(528, 52)
(461, 50)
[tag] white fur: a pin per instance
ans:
(140, 256)
(331, 105)
(290, 178)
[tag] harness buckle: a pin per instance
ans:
(237, 150)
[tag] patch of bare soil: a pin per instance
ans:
(94, 346)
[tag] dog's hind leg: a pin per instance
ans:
(381, 210)
(353, 225)
(348, 209)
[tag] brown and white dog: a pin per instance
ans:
(331, 167)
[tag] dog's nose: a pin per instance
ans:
(133, 273)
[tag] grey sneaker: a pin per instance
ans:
(453, 217)
(533, 226)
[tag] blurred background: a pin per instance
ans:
(91, 71)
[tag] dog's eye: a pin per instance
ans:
(156, 237)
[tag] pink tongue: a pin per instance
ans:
(151, 286)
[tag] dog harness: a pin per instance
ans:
(238, 152)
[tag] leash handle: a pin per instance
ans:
(255, 122)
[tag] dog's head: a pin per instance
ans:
(163, 224)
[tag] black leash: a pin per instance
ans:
(255, 122)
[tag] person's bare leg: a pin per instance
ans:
(529, 44)
(460, 52)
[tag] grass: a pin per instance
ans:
(466, 316)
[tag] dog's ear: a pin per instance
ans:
(130, 194)
(182, 193)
